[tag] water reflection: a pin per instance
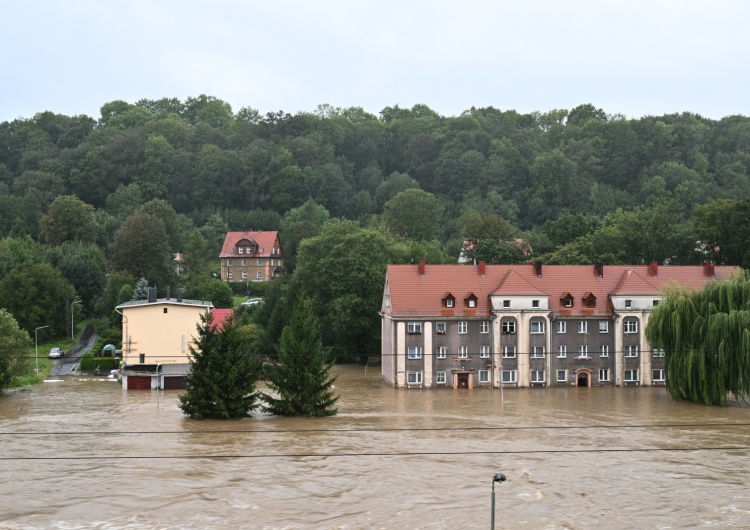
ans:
(158, 468)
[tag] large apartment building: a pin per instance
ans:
(251, 257)
(466, 326)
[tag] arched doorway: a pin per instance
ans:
(583, 377)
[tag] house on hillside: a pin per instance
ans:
(157, 335)
(251, 257)
(464, 326)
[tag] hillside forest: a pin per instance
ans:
(94, 209)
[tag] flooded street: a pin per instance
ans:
(83, 453)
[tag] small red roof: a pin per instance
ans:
(266, 242)
(219, 316)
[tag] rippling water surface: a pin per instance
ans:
(83, 453)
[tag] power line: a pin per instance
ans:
(392, 454)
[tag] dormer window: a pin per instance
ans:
(471, 300)
(567, 300)
(589, 300)
(449, 301)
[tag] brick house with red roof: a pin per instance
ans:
(465, 326)
(251, 257)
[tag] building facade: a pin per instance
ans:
(464, 326)
(251, 257)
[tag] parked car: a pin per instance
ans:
(251, 301)
(56, 353)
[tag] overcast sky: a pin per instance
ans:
(630, 57)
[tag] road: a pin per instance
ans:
(69, 364)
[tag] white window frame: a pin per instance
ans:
(260, 275)
(229, 275)
(583, 351)
(508, 327)
(484, 376)
(416, 376)
(603, 326)
(564, 378)
(509, 352)
(604, 350)
(440, 328)
(562, 326)
(484, 326)
(583, 326)
(535, 304)
(449, 302)
(240, 250)
(441, 377)
(414, 352)
(244, 263)
(657, 352)
(633, 374)
(259, 262)
(229, 263)
(506, 304)
(562, 351)
(568, 302)
(631, 351)
(658, 375)
(472, 302)
(441, 352)
(630, 327)
(604, 375)
(628, 304)
(244, 275)
(537, 376)
(484, 352)
(463, 327)
(537, 327)
(413, 328)
(512, 376)
(463, 352)
(537, 352)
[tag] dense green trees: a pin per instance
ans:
(14, 345)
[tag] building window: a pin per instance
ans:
(463, 352)
(631, 326)
(535, 304)
(583, 326)
(229, 275)
(509, 352)
(414, 378)
(604, 350)
(472, 302)
(463, 327)
(537, 352)
(508, 326)
(631, 376)
(484, 376)
(166, 310)
(603, 375)
(142, 358)
(260, 275)
(659, 376)
(568, 302)
(562, 376)
(248, 250)
(244, 275)
(562, 351)
(537, 327)
(259, 262)
(240, 250)
(628, 304)
(603, 326)
(484, 352)
(631, 351)
(440, 378)
(449, 302)
(655, 303)
(583, 350)
(229, 263)
(484, 326)
(506, 304)
(415, 352)
(414, 328)
(271, 263)
(244, 263)
(510, 376)
(657, 352)
(440, 328)
(562, 326)
(441, 351)
(537, 376)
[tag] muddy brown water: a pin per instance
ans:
(573, 458)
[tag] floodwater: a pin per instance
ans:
(83, 453)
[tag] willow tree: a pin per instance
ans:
(706, 339)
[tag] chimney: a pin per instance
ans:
(599, 269)
(654, 267)
(152, 294)
(709, 269)
(179, 295)
(482, 269)
(168, 292)
(421, 268)
(538, 268)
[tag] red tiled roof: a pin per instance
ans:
(219, 316)
(415, 295)
(266, 242)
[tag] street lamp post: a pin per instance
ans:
(71, 318)
(36, 348)
(497, 478)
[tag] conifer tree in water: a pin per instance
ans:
(223, 374)
(706, 340)
(301, 378)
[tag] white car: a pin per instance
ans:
(251, 301)
(56, 353)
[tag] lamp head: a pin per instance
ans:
(498, 478)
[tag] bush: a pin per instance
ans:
(105, 364)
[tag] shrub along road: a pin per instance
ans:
(69, 364)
